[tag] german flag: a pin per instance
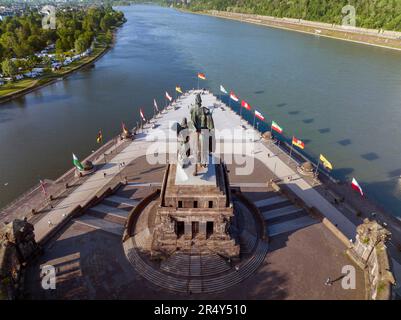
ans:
(201, 76)
(99, 138)
(298, 143)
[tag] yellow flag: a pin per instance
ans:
(178, 89)
(326, 163)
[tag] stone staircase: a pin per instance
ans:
(181, 264)
(143, 239)
(111, 214)
(282, 216)
(247, 242)
(194, 271)
(197, 273)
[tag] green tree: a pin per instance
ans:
(9, 68)
(80, 44)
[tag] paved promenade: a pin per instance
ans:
(152, 141)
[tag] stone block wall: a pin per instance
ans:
(370, 253)
(10, 272)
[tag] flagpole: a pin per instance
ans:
(254, 118)
(317, 167)
(271, 130)
(289, 158)
(198, 82)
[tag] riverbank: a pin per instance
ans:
(26, 86)
(383, 39)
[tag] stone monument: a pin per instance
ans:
(195, 209)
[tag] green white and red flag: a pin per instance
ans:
(77, 163)
(276, 127)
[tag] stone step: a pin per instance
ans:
(156, 277)
(290, 225)
(110, 210)
(280, 212)
(195, 267)
(122, 200)
(101, 224)
(106, 217)
(144, 184)
(247, 242)
(143, 239)
(270, 201)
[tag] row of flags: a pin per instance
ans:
(274, 127)
(295, 141)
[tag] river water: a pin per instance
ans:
(343, 99)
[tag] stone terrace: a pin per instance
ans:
(88, 253)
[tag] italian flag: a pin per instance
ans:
(142, 115)
(355, 185)
(276, 127)
(168, 97)
(201, 76)
(259, 115)
(233, 96)
(245, 105)
(76, 163)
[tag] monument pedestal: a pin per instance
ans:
(195, 212)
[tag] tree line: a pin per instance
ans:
(374, 14)
(23, 36)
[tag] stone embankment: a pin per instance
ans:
(380, 38)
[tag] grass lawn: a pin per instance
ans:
(17, 86)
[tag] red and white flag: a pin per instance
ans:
(155, 105)
(245, 105)
(355, 185)
(168, 97)
(142, 115)
(125, 130)
(233, 96)
(259, 115)
(43, 187)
